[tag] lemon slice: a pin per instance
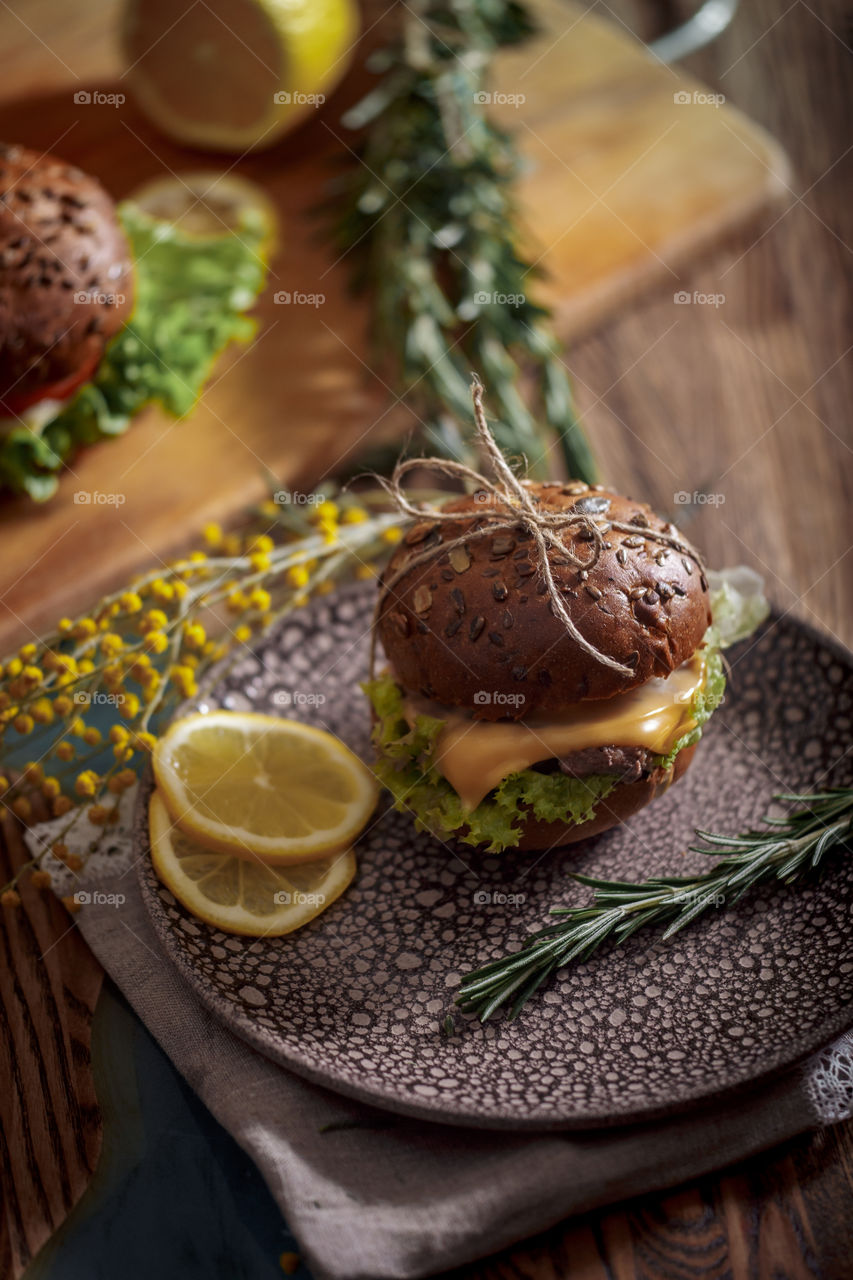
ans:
(243, 895)
(252, 784)
(233, 75)
(209, 204)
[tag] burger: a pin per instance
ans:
(66, 279)
(105, 309)
(540, 689)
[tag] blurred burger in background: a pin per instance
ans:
(66, 281)
(105, 309)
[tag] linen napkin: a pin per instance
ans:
(374, 1196)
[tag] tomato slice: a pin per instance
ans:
(13, 405)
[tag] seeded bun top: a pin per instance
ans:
(59, 238)
(478, 619)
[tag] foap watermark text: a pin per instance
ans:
(698, 299)
(494, 698)
(684, 98)
(95, 898)
(695, 899)
(284, 98)
(95, 98)
(485, 299)
(497, 898)
(97, 698)
(297, 698)
(83, 297)
(485, 99)
(289, 497)
(94, 498)
(285, 298)
(698, 498)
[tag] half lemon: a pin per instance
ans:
(234, 75)
(243, 895)
(258, 785)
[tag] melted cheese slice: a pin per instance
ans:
(476, 755)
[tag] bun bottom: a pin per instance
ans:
(626, 799)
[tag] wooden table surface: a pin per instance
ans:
(748, 401)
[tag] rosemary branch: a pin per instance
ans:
(787, 850)
(429, 223)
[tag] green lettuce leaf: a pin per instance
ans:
(405, 766)
(553, 797)
(738, 605)
(191, 296)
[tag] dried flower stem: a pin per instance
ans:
(142, 649)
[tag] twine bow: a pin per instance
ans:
(508, 505)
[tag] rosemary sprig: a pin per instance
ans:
(788, 850)
(429, 223)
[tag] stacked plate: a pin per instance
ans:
(359, 999)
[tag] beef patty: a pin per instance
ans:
(628, 763)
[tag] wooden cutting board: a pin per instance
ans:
(632, 172)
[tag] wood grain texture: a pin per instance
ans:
(780, 1217)
(50, 1130)
(750, 400)
(603, 140)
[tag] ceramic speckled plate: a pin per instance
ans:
(356, 1000)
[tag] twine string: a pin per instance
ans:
(507, 505)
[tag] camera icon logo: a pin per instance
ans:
(282, 98)
(682, 297)
(681, 98)
(682, 498)
(482, 698)
(82, 97)
(482, 898)
(283, 898)
(482, 98)
(82, 898)
(282, 298)
(282, 698)
(82, 497)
